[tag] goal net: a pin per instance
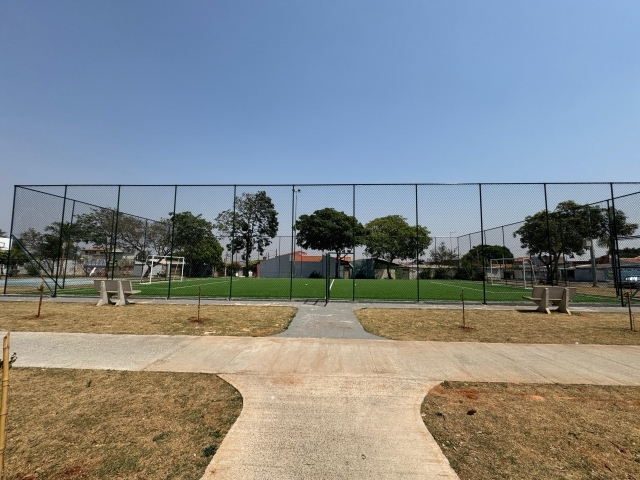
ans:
(158, 268)
(512, 271)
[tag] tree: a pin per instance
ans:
(442, 255)
(391, 238)
(488, 252)
(159, 237)
(98, 229)
(329, 230)
(3, 233)
(193, 239)
(251, 226)
(568, 226)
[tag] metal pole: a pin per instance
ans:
(115, 236)
(546, 210)
(13, 214)
(66, 255)
(594, 270)
(417, 249)
(293, 227)
(617, 272)
(173, 230)
(233, 241)
(353, 270)
(484, 280)
(59, 254)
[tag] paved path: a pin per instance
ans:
(331, 320)
(341, 404)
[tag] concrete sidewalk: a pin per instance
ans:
(341, 404)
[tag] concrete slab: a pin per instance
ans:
(332, 320)
(325, 427)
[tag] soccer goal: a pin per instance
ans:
(156, 269)
(512, 271)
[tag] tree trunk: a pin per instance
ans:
(337, 264)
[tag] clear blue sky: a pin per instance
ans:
(312, 92)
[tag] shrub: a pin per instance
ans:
(442, 273)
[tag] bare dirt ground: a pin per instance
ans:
(88, 424)
(144, 319)
(499, 326)
(495, 430)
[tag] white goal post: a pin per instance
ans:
(156, 268)
(512, 271)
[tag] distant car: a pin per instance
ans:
(631, 282)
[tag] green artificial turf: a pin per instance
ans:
(312, 288)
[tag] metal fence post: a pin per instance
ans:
(482, 240)
(417, 249)
(292, 257)
(115, 236)
(59, 254)
(546, 211)
(617, 271)
(233, 241)
(66, 255)
(173, 229)
(353, 271)
(13, 213)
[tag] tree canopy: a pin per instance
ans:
(476, 255)
(392, 238)
(193, 239)
(568, 226)
(251, 226)
(443, 255)
(329, 230)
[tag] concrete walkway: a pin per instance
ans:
(341, 404)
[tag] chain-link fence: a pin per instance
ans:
(402, 242)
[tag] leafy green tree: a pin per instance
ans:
(329, 230)
(193, 239)
(568, 226)
(476, 255)
(392, 238)
(251, 226)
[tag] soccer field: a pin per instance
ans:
(314, 289)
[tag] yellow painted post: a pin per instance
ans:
(3, 401)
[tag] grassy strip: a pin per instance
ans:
(104, 424)
(144, 319)
(536, 431)
(498, 326)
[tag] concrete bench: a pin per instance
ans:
(124, 292)
(111, 288)
(559, 296)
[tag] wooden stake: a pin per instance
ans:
(41, 290)
(3, 401)
(199, 295)
(464, 323)
(632, 323)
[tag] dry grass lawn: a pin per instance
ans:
(501, 326)
(88, 424)
(145, 319)
(536, 431)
